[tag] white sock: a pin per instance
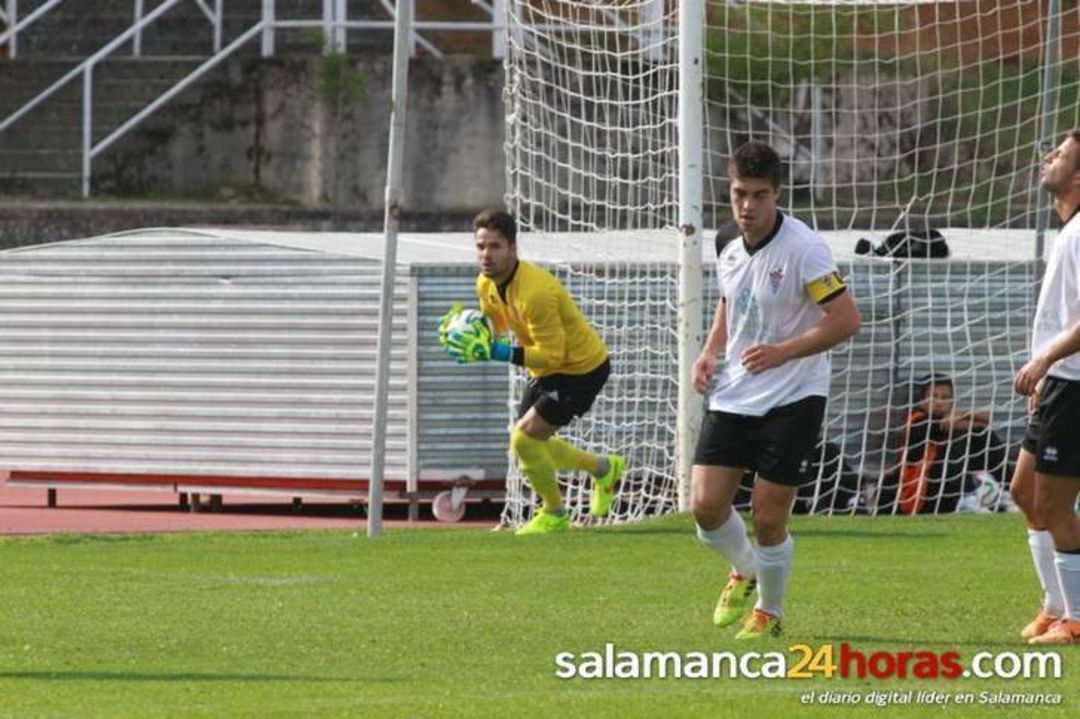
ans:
(730, 541)
(774, 566)
(1068, 573)
(1042, 553)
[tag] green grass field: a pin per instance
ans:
(463, 623)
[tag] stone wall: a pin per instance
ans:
(261, 129)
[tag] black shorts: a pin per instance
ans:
(773, 445)
(1053, 433)
(558, 398)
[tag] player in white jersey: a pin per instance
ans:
(1047, 476)
(782, 305)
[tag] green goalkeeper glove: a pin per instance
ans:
(476, 346)
(444, 322)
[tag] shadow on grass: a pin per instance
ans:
(182, 677)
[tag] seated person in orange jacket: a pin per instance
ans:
(943, 448)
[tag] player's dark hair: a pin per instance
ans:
(756, 159)
(501, 222)
(1074, 135)
(927, 382)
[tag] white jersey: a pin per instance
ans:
(772, 293)
(1058, 309)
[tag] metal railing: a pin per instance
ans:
(10, 36)
(10, 16)
(334, 24)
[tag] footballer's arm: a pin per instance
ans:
(705, 365)
(1065, 344)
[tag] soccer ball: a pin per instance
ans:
(984, 498)
(470, 322)
(988, 491)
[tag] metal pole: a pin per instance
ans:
(87, 123)
(394, 203)
(1051, 77)
(268, 28)
(13, 18)
(691, 133)
(341, 15)
(219, 22)
(136, 42)
(498, 29)
(328, 25)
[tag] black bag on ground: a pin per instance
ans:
(926, 244)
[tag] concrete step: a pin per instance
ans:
(30, 162)
(42, 184)
(120, 89)
(23, 80)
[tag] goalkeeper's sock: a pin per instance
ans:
(1042, 553)
(773, 568)
(537, 465)
(730, 541)
(1068, 572)
(569, 456)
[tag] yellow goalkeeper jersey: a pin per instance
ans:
(555, 336)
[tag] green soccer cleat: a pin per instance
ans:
(603, 488)
(734, 600)
(545, 523)
(760, 625)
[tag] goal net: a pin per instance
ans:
(894, 119)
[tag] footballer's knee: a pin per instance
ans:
(770, 529)
(771, 511)
(1022, 488)
(709, 514)
(519, 442)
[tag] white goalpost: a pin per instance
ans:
(892, 117)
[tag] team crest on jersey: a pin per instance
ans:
(776, 278)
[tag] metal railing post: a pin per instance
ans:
(136, 42)
(87, 123)
(498, 32)
(13, 19)
(219, 22)
(268, 28)
(327, 24)
(340, 18)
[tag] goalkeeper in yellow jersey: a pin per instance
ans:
(566, 360)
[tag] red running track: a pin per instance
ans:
(26, 511)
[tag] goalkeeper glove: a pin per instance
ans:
(470, 346)
(444, 322)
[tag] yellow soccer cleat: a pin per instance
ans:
(1037, 626)
(760, 625)
(544, 522)
(1063, 631)
(603, 488)
(734, 600)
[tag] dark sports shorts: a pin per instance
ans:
(773, 445)
(558, 398)
(1053, 433)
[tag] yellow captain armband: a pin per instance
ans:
(826, 288)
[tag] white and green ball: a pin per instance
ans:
(470, 323)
